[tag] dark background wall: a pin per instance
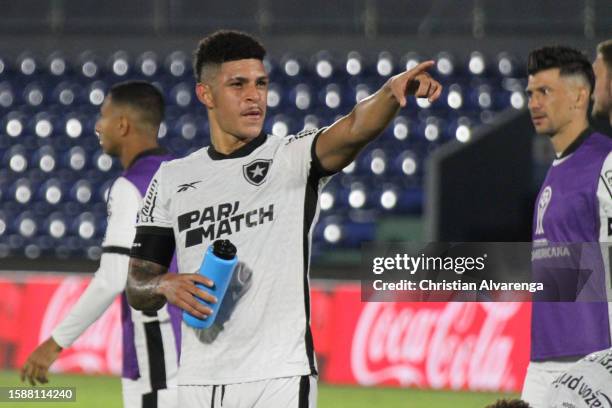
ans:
(374, 25)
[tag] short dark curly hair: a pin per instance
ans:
(513, 403)
(569, 61)
(223, 46)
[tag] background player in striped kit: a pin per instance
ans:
(602, 95)
(261, 192)
(574, 206)
(127, 128)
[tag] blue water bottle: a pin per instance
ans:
(218, 265)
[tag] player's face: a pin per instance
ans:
(107, 128)
(550, 102)
(239, 97)
(602, 94)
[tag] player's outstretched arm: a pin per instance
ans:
(339, 144)
(149, 286)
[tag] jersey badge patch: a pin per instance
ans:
(256, 171)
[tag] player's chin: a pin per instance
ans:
(246, 136)
(105, 148)
(252, 130)
(110, 150)
(541, 129)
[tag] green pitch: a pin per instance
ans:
(105, 392)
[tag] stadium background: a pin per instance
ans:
(465, 169)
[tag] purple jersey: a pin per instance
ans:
(573, 206)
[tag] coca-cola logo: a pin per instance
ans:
(98, 349)
(451, 345)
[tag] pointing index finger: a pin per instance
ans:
(422, 67)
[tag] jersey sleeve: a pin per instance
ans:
(301, 152)
(154, 240)
(108, 282)
(124, 202)
(604, 198)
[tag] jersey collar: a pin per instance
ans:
(241, 152)
(156, 151)
(577, 142)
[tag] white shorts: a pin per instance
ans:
(288, 392)
(540, 375)
(136, 396)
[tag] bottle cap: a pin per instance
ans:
(224, 249)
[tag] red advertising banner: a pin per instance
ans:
(467, 346)
(45, 303)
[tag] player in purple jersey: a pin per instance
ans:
(127, 128)
(574, 206)
(602, 95)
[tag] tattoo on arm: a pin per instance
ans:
(143, 280)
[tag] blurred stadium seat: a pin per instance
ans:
(55, 177)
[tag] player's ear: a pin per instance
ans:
(204, 93)
(583, 97)
(123, 125)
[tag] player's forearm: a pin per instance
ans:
(143, 282)
(107, 283)
(85, 312)
(371, 116)
(340, 143)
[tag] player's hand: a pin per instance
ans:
(180, 290)
(415, 82)
(38, 363)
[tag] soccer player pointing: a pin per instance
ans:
(261, 192)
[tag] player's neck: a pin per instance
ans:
(566, 136)
(224, 142)
(130, 151)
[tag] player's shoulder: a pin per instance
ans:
(602, 148)
(123, 187)
(303, 135)
(598, 355)
(177, 165)
(595, 366)
(601, 143)
(300, 141)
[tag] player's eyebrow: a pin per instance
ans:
(243, 79)
(530, 90)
